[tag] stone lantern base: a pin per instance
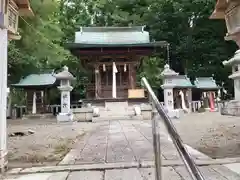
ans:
(174, 113)
(65, 117)
(232, 108)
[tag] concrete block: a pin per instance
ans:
(65, 117)
(83, 114)
(146, 115)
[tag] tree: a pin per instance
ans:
(39, 47)
(197, 44)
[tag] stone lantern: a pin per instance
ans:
(65, 78)
(230, 11)
(168, 74)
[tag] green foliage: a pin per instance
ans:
(39, 47)
(197, 43)
(151, 68)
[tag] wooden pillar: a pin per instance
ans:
(97, 82)
(131, 80)
(45, 99)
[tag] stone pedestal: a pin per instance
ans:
(66, 114)
(3, 97)
(146, 111)
(65, 117)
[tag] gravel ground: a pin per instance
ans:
(49, 143)
(211, 133)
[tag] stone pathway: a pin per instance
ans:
(122, 141)
(122, 150)
(168, 173)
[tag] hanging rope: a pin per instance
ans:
(168, 55)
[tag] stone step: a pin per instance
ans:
(116, 113)
(125, 117)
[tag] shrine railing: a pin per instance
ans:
(189, 163)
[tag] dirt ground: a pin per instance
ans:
(48, 145)
(211, 133)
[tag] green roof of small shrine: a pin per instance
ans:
(205, 83)
(182, 81)
(90, 37)
(36, 80)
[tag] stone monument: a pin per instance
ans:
(168, 74)
(65, 78)
(230, 11)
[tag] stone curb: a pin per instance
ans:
(109, 166)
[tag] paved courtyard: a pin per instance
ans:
(121, 141)
(119, 150)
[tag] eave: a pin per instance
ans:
(221, 7)
(219, 11)
(24, 8)
(73, 46)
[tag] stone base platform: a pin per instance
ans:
(64, 117)
(103, 101)
(232, 108)
(38, 116)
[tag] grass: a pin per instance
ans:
(62, 149)
(58, 151)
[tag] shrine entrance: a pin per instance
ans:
(111, 75)
(112, 55)
(105, 89)
(112, 80)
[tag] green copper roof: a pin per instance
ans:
(36, 80)
(182, 81)
(205, 83)
(112, 35)
(80, 45)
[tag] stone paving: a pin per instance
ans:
(116, 142)
(121, 141)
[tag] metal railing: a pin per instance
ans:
(185, 156)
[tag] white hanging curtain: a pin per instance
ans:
(104, 67)
(34, 107)
(115, 68)
(125, 67)
(114, 88)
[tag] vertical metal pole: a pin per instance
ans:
(156, 145)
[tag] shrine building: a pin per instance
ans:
(113, 55)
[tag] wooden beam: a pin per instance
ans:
(114, 52)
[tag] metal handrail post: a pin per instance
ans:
(156, 147)
(185, 156)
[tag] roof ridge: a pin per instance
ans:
(112, 28)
